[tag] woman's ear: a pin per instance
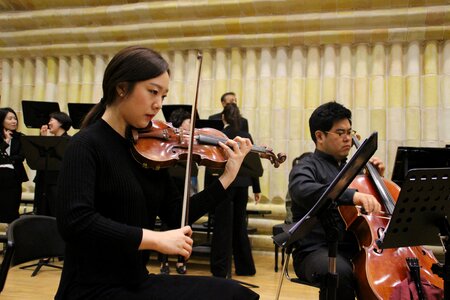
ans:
(121, 89)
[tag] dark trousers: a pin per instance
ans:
(315, 264)
(10, 195)
(230, 235)
(163, 287)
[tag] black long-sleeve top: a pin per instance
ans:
(308, 180)
(16, 156)
(104, 199)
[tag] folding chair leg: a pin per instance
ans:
(281, 276)
(39, 265)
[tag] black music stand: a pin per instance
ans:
(36, 113)
(44, 153)
(77, 112)
(206, 123)
(168, 109)
(319, 213)
(421, 216)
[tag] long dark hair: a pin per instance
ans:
(128, 66)
(3, 113)
(232, 116)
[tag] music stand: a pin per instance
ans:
(206, 123)
(77, 112)
(421, 215)
(294, 232)
(168, 109)
(43, 153)
(36, 113)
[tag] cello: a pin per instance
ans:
(379, 271)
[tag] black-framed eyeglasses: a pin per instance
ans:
(342, 133)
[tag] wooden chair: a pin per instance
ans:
(31, 237)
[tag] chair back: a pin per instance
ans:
(31, 237)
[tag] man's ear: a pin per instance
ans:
(320, 135)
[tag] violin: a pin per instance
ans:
(161, 145)
(378, 271)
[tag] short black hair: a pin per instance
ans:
(222, 99)
(326, 115)
(178, 116)
(63, 118)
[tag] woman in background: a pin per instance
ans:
(12, 171)
(46, 181)
(230, 237)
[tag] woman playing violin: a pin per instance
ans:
(109, 202)
(331, 130)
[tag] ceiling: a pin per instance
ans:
(32, 27)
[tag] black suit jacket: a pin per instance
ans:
(218, 116)
(16, 156)
(242, 181)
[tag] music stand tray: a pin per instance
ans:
(421, 215)
(37, 113)
(44, 153)
(77, 112)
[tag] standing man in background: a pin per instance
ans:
(227, 98)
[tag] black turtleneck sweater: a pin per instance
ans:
(104, 199)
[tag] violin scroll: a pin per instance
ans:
(275, 159)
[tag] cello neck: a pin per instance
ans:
(386, 197)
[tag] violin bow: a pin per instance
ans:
(187, 179)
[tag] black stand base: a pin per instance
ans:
(39, 265)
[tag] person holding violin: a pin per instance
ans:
(230, 237)
(45, 181)
(109, 202)
(331, 130)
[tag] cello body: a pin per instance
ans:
(379, 271)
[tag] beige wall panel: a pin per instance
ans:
(236, 71)
(377, 92)
(444, 127)
(396, 124)
(395, 91)
(413, 124)
(87, 79)
(177, 79)
(16, 85)
(430, 90)
(378, 122)
(361, 121)
(63, 78)
(40, 79)
(206, 92)
(6, 82)
(75, 73)
(429, 124)
(29, 77)
(99, 69)
(51, 78)
(412, 91)
(361, 92)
